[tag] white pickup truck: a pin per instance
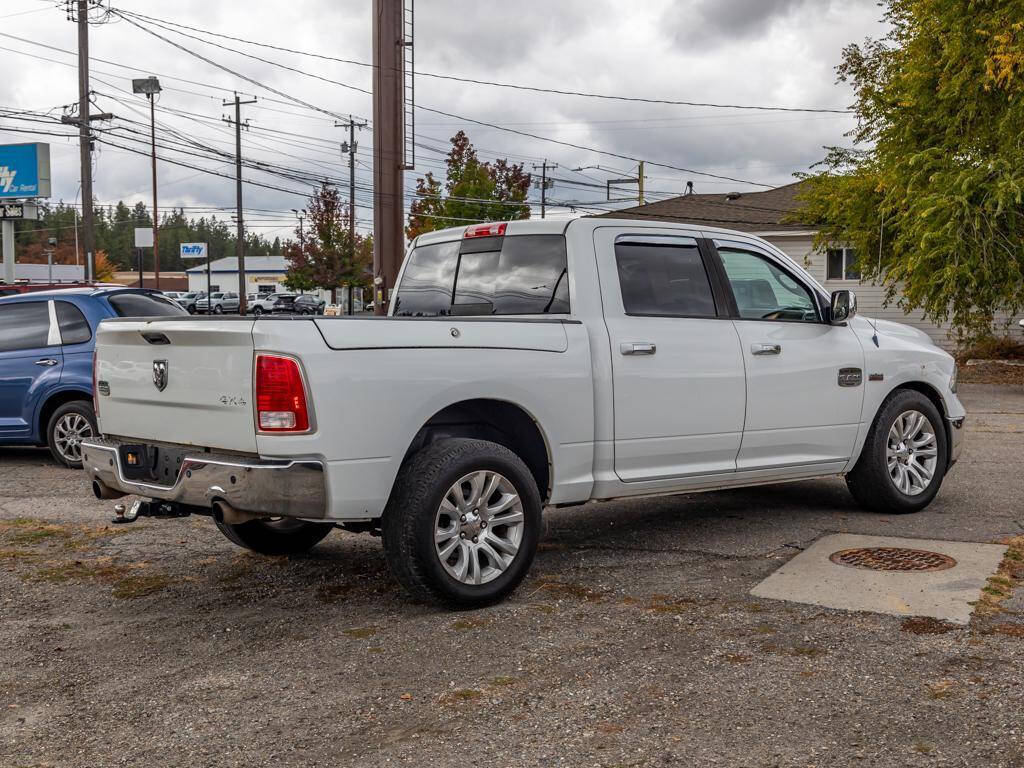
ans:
(523, 365)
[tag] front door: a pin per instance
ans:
(677, 370)
(804, 377)
(30, 363)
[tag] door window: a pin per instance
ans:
(25, 325)
(663, 280)
(74, 328)
(764, 291)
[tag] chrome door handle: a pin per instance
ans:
(638, 348)
(766, 349)
(47, 361)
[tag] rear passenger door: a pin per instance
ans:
(76, 345)
(30, 363)
(679, 387)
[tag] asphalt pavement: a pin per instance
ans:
(634, 642)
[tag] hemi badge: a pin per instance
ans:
(103, 387)
(876, 377)
(850, 377)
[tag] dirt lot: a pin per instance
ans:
(633, 643)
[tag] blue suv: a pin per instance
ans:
(46, 350)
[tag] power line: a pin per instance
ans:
(494, 83)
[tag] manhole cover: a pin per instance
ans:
(892, 559)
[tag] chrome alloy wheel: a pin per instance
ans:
(912, 452)
(479, 527)
(68, 435)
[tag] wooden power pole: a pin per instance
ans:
(240, 232)
(389, 42)
(349, 148)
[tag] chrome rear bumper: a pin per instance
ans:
(266, 487)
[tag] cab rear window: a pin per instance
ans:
(144, 305)
(514, 275)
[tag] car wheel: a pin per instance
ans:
(68, 426)
(257, 310)
(191, 309)
(282, 536)
(218, 309)
(462, 524)
(904, 458)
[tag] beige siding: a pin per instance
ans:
(870, 297)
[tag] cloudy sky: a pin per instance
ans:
(745, 52)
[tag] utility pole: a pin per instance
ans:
(240, 235)
(544, 185)
(85, 139)
(349, 148)
(640, 182)
(389, 46)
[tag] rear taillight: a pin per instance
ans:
(486, 230)
(280, 395)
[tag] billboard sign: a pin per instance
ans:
(193, 250)
(24, 171)
(143, 237)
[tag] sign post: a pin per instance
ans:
(24, 174)
(198, 251)
(143, 239)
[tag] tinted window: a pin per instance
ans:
(515, 275)
(24, 325)
(666, 280)
(765, 291)
(427, 282)
(528, 276)
(144, 305)
(74, 328)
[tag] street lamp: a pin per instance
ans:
(300, 215)
(151, 87)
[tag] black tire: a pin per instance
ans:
(191, 309)
(276, 537)
(870, 482)
(218, 309)
(65, 416)
(257, 310)
(409, 521)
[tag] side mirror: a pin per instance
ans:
(844, 306)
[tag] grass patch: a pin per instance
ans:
(140, 586)
(926, 625)
(736, 658)
(466, 694)
(992, 348)
(360, 632)
(1007, 630)
(941, 689)
(503, 680)
(464, 625)
(1007, 577)
(102, 570)
(333, 593)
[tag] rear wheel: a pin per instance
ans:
(69, 425)
(904, 457)
(218, 310)
(257, 310)
(283, 536)
(462, 524)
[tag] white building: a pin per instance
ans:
(263, 274)
(45, 273)
(763, 214)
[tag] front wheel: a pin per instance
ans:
(257, 310)
(68, 426)
(285, 536)
(904, 457)
(462, 524)
(218, 310)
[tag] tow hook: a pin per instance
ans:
(140, 508)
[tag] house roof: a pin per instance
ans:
(754, 212)
(252, 264)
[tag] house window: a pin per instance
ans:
(842, 264)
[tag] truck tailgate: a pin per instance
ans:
(206, 399)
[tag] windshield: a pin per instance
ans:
(514, 275)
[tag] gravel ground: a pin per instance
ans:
(633, 643)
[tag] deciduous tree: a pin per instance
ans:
(932, 193)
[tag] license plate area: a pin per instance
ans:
(157, 464)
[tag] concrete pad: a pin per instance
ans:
(811, 577)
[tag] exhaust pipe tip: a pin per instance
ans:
(227, 514)
(102, 491)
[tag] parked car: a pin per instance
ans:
(527, 364)
(175, 295)
(46, 348)
(303, 304)
(188, 300)
(259, 304)
(222, 301)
